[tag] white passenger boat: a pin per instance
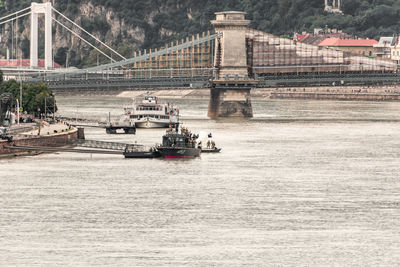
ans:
(151, 113)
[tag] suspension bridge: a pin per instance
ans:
(231, 60)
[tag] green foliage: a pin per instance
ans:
(169, 20)
(33, 95)
(164, 21)
(96, 58)
(61, 56)
(98, 24)
(125, 50)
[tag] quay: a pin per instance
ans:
(353, 93)
(51, 135)
(62, 149)
(362, 93)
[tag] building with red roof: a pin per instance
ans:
(300, 37)
(24, 63)
(319, 35)
(355, 46)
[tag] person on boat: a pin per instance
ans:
(212, 144)
(208, 144)
(190, 142)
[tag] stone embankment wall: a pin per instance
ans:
(390, 93)
(53, 140)
(385, 93)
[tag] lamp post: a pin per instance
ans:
(20, 89)
(20, 93)
(17, 111)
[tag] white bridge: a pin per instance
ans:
(50, 15)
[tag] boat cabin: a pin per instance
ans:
(178, 140)
(150, 100)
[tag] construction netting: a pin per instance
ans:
(270, 54)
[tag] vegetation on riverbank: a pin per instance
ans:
(34, 96)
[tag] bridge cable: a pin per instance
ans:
(77, 35)
(91, 35)
(15, 13)
(20, 16)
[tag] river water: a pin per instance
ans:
(304, 183)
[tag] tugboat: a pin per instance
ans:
(179, 145)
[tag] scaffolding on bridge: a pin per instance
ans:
(193, 60)
(190, 57)
(269, 54)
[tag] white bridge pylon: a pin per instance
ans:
(49, 13)
(46, 9)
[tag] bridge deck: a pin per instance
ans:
(270, 81)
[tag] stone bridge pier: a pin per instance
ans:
(230, 92)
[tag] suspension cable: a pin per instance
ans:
(91, 35)
(77, 35)
(20, 16)
(22, 10)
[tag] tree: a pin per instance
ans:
(33, 95)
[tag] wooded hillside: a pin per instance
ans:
(152, 23)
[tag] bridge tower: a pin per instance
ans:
(230, 93)
(45, 9)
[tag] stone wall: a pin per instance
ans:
(53, 140)
(335, 96)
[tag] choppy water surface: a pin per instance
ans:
(305, 183)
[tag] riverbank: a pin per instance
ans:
(386, 93)
(52, 135)
(381, 93)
